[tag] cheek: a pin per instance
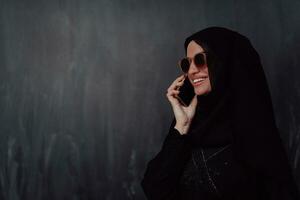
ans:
(206, 87)
(208, 82)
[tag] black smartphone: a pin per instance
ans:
(186, 93)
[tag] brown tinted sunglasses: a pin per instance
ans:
(199, 60)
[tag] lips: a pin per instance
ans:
(199, 81)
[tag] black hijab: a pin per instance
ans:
(238, 109)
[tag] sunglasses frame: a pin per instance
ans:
(204, 53)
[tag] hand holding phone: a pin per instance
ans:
(186, 92)
(183, 106)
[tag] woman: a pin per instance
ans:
(225, 144)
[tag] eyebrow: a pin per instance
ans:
(197, 53)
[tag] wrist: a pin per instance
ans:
(182, 128)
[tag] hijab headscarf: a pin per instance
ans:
(238, 110)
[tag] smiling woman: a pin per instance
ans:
(225, 144)
(198, 70)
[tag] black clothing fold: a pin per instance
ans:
(161, 180)
(180, 172)
(236, 116)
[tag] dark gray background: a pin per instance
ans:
(82, 85)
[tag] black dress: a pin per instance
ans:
(181, 172)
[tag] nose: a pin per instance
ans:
(193, 68)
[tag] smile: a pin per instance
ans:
(198, 81)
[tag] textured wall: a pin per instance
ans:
(82, 87)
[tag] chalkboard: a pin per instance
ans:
(82, 87)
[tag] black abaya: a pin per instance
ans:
(233, 149)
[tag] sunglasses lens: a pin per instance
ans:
(185, 64)
(199, 60)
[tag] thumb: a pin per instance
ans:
(194, 101)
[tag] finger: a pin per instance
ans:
(194, 101)
(173, 100)
(176, 83)
(173, 93)
(180, 78)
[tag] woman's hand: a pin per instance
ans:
(183, 115)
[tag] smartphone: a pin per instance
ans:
(186, 93)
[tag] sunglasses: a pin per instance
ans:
(199, 60)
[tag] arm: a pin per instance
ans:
(161, 179)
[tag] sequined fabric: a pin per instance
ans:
(212, 172)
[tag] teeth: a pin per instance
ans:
(198, 79)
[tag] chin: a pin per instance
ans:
(201, 91)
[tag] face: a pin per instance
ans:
(195, 74)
